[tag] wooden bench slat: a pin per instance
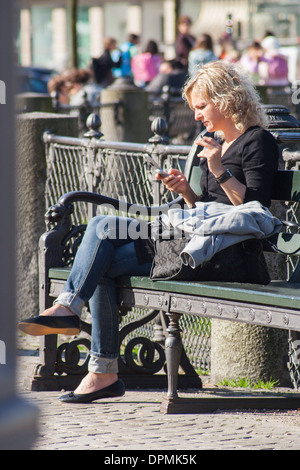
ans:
(59, 273)
(277, 293)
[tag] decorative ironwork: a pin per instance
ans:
(147, 362)
(69, 357)
(71, 244)
(182, 127)
(280, 117)
(294, 358)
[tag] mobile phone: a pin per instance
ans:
(162, 173)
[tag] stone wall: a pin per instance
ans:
(30, 189)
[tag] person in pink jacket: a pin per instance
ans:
(145, 66)
(273, 66)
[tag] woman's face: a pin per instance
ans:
(206, 112)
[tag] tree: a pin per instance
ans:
(73, 27)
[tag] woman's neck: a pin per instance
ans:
(231, 133)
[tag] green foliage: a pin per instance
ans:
(244, 382)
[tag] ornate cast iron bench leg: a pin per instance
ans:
(173, 350)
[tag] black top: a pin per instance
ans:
(253, 160)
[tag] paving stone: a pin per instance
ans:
(134, 422)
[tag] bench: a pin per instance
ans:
(276, 305)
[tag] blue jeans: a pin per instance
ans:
(107, 251)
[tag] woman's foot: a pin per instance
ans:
(55, 320)
(93, 382)
(57, 310)
(95, 387)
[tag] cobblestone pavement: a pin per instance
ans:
(134, 422)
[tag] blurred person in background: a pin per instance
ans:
(145, 66)
(273, 66)
(229, 51)
(102, 67)
(127, 51)
(171, 74)
(250, 60)
(58, 90)
(201, 53)
(185, 40)
(81, 89)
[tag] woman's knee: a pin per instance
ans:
(109, 226)
(101, 223)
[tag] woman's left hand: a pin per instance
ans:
(177, 182)
(212, 151)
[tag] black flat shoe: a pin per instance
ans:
(117, 389)
(51, 325)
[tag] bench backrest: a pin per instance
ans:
(286, 184)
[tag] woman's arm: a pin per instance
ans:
(234, 190)
(260, 163)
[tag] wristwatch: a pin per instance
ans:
(224, 177)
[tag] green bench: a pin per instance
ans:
(276, 305)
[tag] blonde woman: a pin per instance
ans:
(240, 157)
(238, 167)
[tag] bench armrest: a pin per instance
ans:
(75, 196)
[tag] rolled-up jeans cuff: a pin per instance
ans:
(103, 365)
(72, 301)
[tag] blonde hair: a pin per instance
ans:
(231, 91)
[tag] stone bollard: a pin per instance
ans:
(34, 102)
(242, 350)
(128, 122)
(31, 177)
